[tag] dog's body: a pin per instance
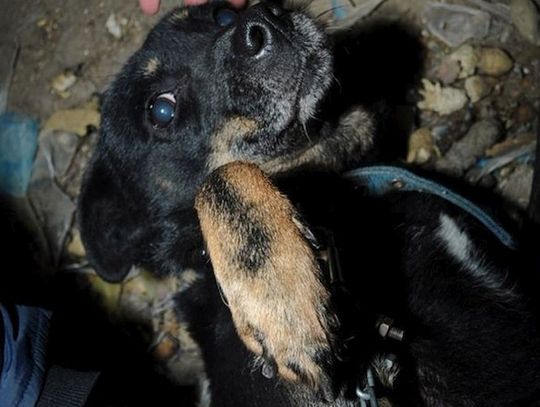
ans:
(205, 91)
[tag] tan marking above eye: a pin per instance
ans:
(151, 67)
(180, 15)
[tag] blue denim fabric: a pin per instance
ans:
(25, 332)
(380, 180)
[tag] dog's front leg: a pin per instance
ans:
(271, 280)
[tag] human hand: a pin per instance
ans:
(151, 7)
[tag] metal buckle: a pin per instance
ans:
(366, 395)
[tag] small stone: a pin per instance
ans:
(465, 152)
(113, 27)
(467, 58)
(494, 61)
(477, 88)
(73, 120)
(43, 22)
(526, 19)
(440, 131)
(454, 24)
(515, 184)
(448, 71)
(62, 82)
(442, 100)
(75, 247)
(524, 113)
(421, 147)
(511, 144)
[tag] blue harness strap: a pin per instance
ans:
(380, 180)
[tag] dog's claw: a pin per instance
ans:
(265, 265)
(269, 370)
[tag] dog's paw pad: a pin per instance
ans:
(264, 263)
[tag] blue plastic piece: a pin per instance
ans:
(340, 13)
(18, 145)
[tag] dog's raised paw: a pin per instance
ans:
(269, 275)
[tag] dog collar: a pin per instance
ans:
(380, 180)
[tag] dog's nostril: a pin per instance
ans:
(255, 39)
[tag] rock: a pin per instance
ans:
(113, 27)
(48, 26)
(467, 58)
(524, 113)
(510, 144)
(489, 61)
(455, 24)
(73, 120)
(62, 82)
(496, 8)
(465, 152)
(448, 71)
(442, 100)
(516, 184)
(75, 247)
(494, 61)
(421, 147)
(526, 19)
(477, 88)
(52, 206)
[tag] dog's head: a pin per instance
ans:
(210, 85)
(222, 85)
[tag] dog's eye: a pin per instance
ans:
(162, 109)
(225, 17)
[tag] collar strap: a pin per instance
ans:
(380, 180)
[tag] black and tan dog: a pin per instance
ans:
(213, 97)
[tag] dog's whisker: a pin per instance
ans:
(306, 132)
(338, 82)
(220, 290)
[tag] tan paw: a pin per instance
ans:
(269, 274)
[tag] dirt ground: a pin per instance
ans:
(464, 119)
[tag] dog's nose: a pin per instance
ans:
(257, 31)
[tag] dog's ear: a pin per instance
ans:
(108, 219)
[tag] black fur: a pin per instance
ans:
(254, 252)
(467, 343)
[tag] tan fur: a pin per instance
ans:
(352, 138)
(179, 15)
(282, 306)
(230, 130)
(151, 67)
